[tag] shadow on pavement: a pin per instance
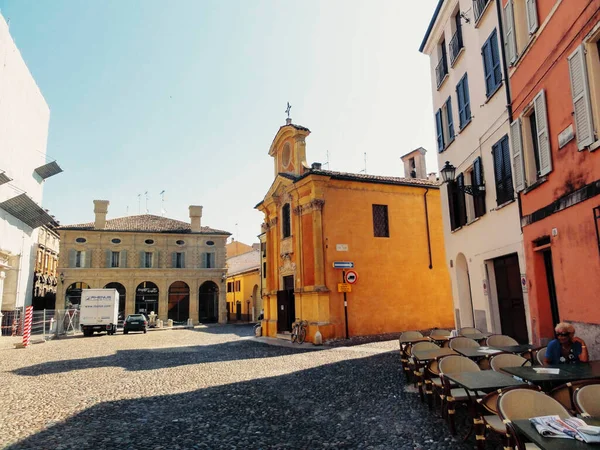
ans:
(359, 403)
(149, 359)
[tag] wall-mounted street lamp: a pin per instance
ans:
(449, 171)
(62, 277)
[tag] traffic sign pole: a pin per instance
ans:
(345, 303)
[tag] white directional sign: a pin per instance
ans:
(351, 277)
(343, 265)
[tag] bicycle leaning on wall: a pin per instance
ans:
(299, 331)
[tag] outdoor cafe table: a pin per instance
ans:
(477, 352)
(526, 429)
(414, 340)
(484, 381)
(567, 372)
(422, 357)
(476, 336)
(521, 348)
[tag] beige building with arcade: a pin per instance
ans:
(174, 268)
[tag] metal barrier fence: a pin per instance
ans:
(47, 323)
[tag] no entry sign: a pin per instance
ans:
(351, 277)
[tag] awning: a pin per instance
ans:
(27, 211)
(4, 178)
(47, 170)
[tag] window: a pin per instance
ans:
(380, 221)
(263, 248)
(149, 241)
(286, 220)
(502, 171)
(479, 7)
(491, 64)
(264, 270)
(79, 259)
(456, 203)
(180, 242)
(238, 286)
(449, 129)
(441, 69)
(116, 241)
(532, 156)
(114, 259)
(81, 240)
(148, 259)
(456, 43)
(210, 243)
(444, 123)
(208, 261)
(230, 286)
(179, 260)
(464, 101)
(532, 17)
(476, 203)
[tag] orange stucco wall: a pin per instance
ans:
(575, 255)
(396, 290)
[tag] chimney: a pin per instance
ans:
(196, 218)
(316, 166)
(100, 210)
(432, 176)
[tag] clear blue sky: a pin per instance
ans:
(186, 96)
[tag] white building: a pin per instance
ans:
(24, 117)
(481, 217)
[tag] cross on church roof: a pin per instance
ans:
(288, 109)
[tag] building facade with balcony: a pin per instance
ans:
(173, 268)
(24, 119)
(388, 228)
(482, 231)
(553, 49)
(45, 277)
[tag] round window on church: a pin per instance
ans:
(149, 241)
(81, 240)
(210, 243)
(286, 155)
(116, 241)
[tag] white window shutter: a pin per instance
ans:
(509, 32)
(543, 137)
(518, 162)
(580, 91)
(532, 16)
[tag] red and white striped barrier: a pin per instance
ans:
(27, 326)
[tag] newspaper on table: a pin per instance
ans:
(571, 428)
(490, 351)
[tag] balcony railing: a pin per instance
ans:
(479, 7)
(456, 44)
(441, 70)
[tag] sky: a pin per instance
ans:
(186, 97)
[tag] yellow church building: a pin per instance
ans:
(387, 230)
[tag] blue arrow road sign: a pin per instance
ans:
(343, 265)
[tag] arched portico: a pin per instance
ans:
(179, 301)
(208, 302)
(122, 296)
(146, 298)
(73, 294)
(465, 300)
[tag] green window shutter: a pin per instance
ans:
(203, 261)
(156, 260)
(174, 260)
(123, 259)
(72, 257)
(143, 259)
(88, 258)
(183, 260)
(108, 258)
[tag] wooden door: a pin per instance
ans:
(282, 311)
(510, 298)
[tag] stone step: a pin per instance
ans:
(286, 336)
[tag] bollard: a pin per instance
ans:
(190, 323)
(27, 326)
(170, 323)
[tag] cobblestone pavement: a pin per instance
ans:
(211, 388)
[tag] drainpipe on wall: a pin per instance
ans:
(427, 227)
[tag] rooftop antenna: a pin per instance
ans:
(327, 162)
(127, 211)
(162, 203)
(365, 169)
(237, 236)
(146, 194)
(139, 203)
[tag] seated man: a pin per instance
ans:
(566, 348)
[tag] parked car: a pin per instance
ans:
(135, 322)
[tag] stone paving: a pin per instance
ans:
(211, 388)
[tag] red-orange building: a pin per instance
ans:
(553, 49)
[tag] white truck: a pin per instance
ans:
(99, 311)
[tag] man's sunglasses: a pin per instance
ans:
(563, 334)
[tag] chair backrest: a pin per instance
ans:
(526, 403)
(408, 335)
(587, 399)
(435, 333)
(507, 360)
(500, 340)
(457, 364)
(469, 330)
(424, 346)
(463, 342)
(541, 355)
